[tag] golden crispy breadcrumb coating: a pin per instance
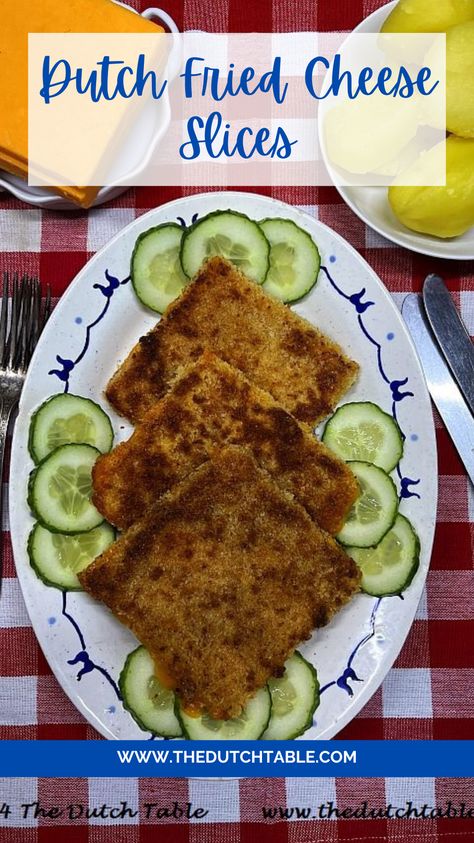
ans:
(213, 404)
(223, 311)
(222, 579)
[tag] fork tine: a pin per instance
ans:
(18, 322)
(47, 308)
(22, 322)
(4, 318)
(10, 344)
(35, 320)
(24, 336)
(48, 304)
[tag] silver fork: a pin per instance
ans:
(21, 323)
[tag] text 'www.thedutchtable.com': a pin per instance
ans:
(235, 756)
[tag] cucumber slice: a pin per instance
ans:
(148, 701)
(362, 431)
(157, 274)
(390, 567)
(59, 491)
(375, 509)
(249, 725)
(57, 558)
(294, 260)
(295, 698)
(67, 419)
(233, 236)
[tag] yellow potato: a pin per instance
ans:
(381, 128)
(428, 15)
(441, 211)
(460, 80)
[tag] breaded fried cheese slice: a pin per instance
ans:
(223, 311)
(213, 404)
(221, 580)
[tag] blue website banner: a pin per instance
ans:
(162, 759)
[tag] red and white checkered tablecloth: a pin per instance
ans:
(428, 693)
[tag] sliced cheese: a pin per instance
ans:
(20, 17)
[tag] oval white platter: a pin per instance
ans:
(371, 204)
(93, 328)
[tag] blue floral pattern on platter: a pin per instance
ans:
(398, 389)
(82, 657)
(67, 366)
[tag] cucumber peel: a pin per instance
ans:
(294, 260)
(389, 568)
(363, 431)
(59, 490)
(249, 725)
(231, 235)
(374, 511)
(67, 419)
(57, 559)
(145, 698)
(156, 271)
(295, 698)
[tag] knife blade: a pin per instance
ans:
(442, 387)
(451, 333)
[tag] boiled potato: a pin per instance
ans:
(381, 129)
(428, 15)
(460, 80)
(442, 211)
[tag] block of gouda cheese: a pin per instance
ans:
(20, 17)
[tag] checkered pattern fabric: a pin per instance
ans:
(427, 694)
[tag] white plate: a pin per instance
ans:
(94, 326)
(149, 130)
(42, 198)
(371, 203)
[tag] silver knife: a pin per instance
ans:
(441, 384)
(451, 334)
